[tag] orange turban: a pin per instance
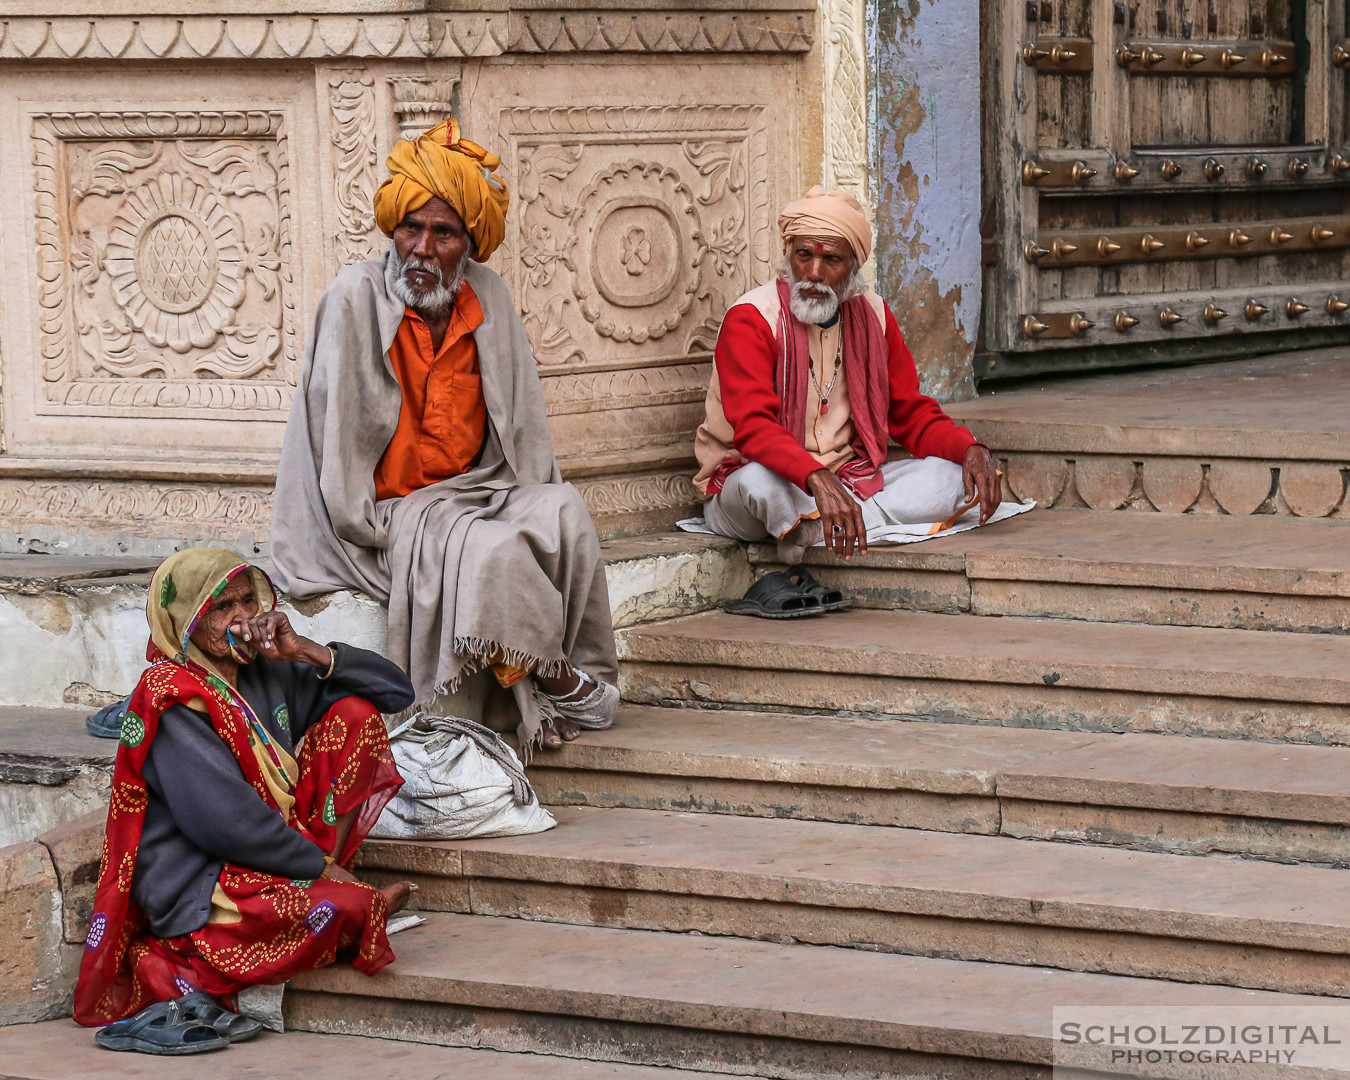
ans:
(439, 164)
(828, 213)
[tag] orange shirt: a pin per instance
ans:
(442, 421)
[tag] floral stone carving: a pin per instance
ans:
(165, 254)
(633, 227)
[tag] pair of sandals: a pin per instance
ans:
(193, 1024)
(788, 594)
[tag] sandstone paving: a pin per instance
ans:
(1276, 781)
(750, 988)
(1056, 654)
(1279, 407)
(62, 1050)
(788, 749)
(1252, 553)
(949, 875)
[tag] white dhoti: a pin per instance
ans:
(757, 504)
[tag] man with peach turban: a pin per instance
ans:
(417, 466)
(811, 384)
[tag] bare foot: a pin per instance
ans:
(557, 732)
(396, 895)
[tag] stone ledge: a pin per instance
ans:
(75, 628)
(38, 966)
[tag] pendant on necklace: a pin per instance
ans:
(824, 406)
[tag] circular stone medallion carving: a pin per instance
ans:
(635, 277)
(176, 261)
(636, 252)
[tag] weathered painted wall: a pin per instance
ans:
(924, 85)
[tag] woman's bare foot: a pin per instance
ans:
(557, 732)
(396, 895)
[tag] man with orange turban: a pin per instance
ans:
(811, 383)
(417, 465)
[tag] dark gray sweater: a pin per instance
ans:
(202, 812)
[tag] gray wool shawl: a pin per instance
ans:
(452, 586)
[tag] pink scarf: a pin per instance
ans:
(867, 369)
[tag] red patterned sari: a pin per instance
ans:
(262, 929)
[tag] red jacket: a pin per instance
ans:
(745, 356)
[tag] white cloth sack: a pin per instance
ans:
(459, 780)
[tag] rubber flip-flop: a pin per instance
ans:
(831, 599)
(231, 1025)
(162, 1029)
(107, 722)
(775, 596)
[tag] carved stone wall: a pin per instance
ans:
(170, 228)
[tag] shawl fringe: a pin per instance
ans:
(476, 654)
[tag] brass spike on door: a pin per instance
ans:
(1032, 171)
(1124, 320)
(1238, 238)
(1298, 169)
(1272, 59)
(1214, 314)
(1169, 169)
(1149, 243)
(1212, 169)
(1338, 164)
(1034, 253)
(1062, 249)
(1170, 318)
(1124, 173)
(1319, 233)
(1254, 310)
(1295, 307)
(1279, 236)
(1125, 56)
(1337, 306)
(1106, 247)
(1340, 56)
(1032, 327)
(1194, 241)
(1189, 57)
(1230, 59)
(1081, 173)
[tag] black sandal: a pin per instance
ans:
(162, 1028)
(775, 596)
(830, 598)
(230, 1025)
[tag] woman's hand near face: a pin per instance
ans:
(271, 635)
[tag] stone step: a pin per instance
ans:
(1162, 793)
(1264, 436)
(62, 1050)
(1051, 673)
(51, 770)
(798, 1012)
(1260, 572)
(73, 627)
(1227, 921)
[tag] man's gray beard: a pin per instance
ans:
(820, 309)
(436, 302)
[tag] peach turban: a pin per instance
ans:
(828, 213)
(440, 164)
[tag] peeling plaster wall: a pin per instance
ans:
(924, 85)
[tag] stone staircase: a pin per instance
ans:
(1082, 758)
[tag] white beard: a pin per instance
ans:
(819, 309)
(440, 299)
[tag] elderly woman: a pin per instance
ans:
(226, 857)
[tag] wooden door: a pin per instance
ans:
(1163, 171)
